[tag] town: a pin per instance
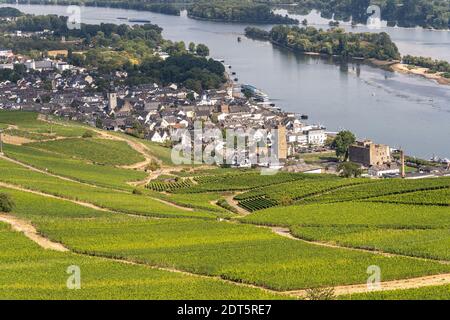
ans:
(156, 113)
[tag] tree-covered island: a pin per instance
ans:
(334, 42)
(237, 11)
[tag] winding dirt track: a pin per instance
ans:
(31, 233)
(413, 283)
(235, 204)
(80, 182)
(28, 229)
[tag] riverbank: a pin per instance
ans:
(419, 71)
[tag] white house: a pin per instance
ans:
(317, 137)
(386, 169)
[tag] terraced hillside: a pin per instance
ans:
(92, 201)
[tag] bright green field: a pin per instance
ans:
(99, 151)
(157, 150)
(27, 121)
(102, 197)
(425, 243)
(354, 213)
(410, 218)
(433, 197)
(382, 188)
(29, 272)
(105, 176)
(233, 251)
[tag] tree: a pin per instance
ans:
(192, 47)
(202, 50)
(349, 170)
(6, 203)
(342, 143)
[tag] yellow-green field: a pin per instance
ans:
(168, 239)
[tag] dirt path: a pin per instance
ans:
(27, 166)
(235, 204)
(137, 146)
(15, 140)
(47, 195)
(413, 283)
(31, 233)
(173, 205)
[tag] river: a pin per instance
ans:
(400, 110)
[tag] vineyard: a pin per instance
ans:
(238, 182)
(182, 234)
(439, 197)
(288, 193)
(258, 203)
(393, 187)
(169, 186)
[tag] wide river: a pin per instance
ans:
(399, 110)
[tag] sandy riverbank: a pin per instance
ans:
(404, 68)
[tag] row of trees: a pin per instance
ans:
(237, 11)
(195, 73)
(430, 63)
(405, 13)
(109, 47)
(330, 42)
(167, 7)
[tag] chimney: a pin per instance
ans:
(402, 160)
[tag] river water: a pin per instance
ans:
(399, 110)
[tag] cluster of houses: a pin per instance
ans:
(149, 110)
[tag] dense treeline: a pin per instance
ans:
(164, 7)
(332, 42)
(109, 47)
(9, 12)
(195, 73)
(432, 64)
(405, 13)
(237, 11)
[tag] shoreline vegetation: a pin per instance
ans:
(377, 50)
(155, 6)
(402, 13)
(334, 42)
(108, 48)
(420, 71)
(237, 11)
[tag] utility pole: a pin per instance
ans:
(1, 142)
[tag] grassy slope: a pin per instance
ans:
(42, 275)
(239, 252)
(426, 243)
(354, 213)
(433, 197)
(106, 198)
(100, 151)
(28, 122)
(106, 176)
